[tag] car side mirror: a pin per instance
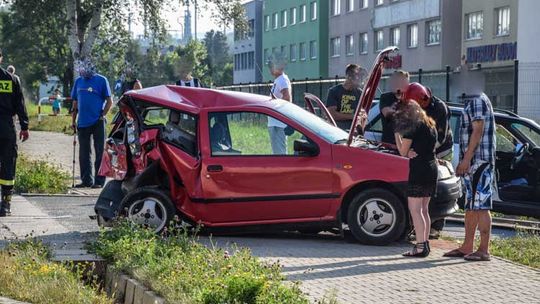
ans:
(304, 147)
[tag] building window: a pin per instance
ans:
(293, 52)
(363, 46)
(266, 56)
(313, 49)
(251, 28)
(502, 26)
(433, 32)
(379, 40)
(251, 60)
(284, 18)
(335, 47)
(293, 16)
(412, 33)
(276, 21)
(474, 25)
(350, 5)
(303, 13)
(349, 45)
(303, 51)
(335, 7)
(267, 23)
(284, 51)
(379, 2)
(363, 4)
(313, 10)
(395, 34)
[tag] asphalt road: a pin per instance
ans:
(74, 212)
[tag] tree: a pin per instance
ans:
(218, 57)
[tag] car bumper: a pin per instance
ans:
(444, 202)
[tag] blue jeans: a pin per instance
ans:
(97, 133)
(278, 140)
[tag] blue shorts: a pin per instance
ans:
(479, 188)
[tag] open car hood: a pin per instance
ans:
(370, 88)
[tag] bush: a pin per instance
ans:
(38, 176)
(182, 270)
(27, 275)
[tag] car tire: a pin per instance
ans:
(149, 207)
(376, 217)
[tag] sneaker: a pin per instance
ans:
(5, 209)
(97, 186)
(83, 185)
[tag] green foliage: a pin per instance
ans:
(219, 61)
(38, 176)
(27, 274)
(183, 270)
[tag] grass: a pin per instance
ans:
(182, 270)
(38, 176)
(252, 138)
(59, 124)
(27, 274)
(523, 248)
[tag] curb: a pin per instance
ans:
(10, 301)
(57, 195)
(127, 290)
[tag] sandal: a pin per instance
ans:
(456, 253)
(478, 257)
(420, 250)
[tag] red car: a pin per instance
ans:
(205, 156)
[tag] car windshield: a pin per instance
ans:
(312, 122)
(531, 133)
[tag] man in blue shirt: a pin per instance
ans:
(92, 100)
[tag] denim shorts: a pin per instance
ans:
(479, 187)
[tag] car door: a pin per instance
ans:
(244, 181)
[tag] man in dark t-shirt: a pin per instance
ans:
(399, 81)
(343, 98)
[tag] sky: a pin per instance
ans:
(175, 16)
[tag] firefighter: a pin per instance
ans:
(11, 104)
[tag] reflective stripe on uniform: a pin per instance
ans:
(6, 182)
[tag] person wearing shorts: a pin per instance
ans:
(477, 168)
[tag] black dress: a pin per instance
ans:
(423, 168)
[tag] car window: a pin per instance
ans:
(375, 125)
(455, 120)
(178, 129)
(532, 134)
(506, 142)
(246, 134)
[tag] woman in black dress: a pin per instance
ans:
(416, 136)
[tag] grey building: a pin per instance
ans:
(427, 33)
(490, 46)
(247, 48)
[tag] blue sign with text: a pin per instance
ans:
(492, 52)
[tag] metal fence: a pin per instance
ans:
(501, 86)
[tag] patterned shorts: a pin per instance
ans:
(479, 188)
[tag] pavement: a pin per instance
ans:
(322, 263)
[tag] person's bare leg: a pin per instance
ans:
(415, 208)
(427, 218)
(484, 225)
(471, 223)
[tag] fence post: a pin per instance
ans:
(447, 83)
(419, 75)
(306, 85)
(320, 87)
(335, 83)
(516, 78)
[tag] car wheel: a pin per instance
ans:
(148, 207)
(376, 217)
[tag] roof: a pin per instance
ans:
(194, 99)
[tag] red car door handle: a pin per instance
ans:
(214, 168)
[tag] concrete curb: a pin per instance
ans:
(128, 290)
(10, 301)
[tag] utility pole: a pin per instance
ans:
(195, 23)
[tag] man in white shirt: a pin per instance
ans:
(281, 89)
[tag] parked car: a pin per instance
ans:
(517, 159)
(205, 156)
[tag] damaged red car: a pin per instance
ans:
(205, 156)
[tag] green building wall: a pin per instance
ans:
(310, 30)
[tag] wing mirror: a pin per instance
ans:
(304, 147)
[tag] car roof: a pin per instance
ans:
(194, 99)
